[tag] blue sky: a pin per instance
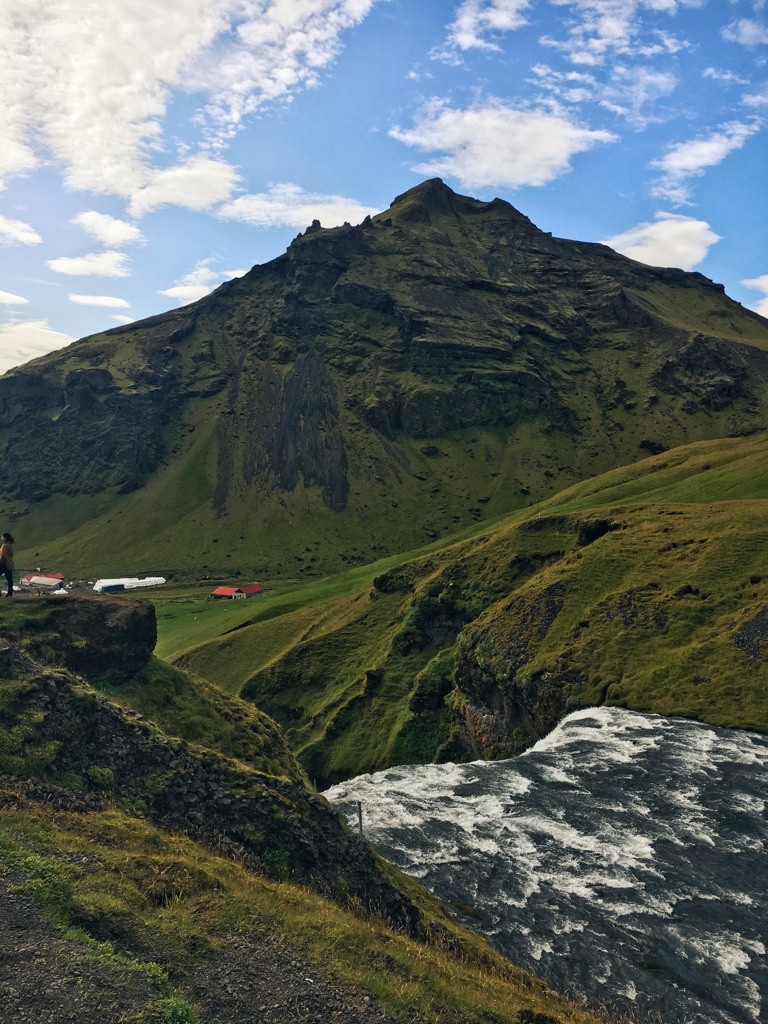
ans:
(152, 149)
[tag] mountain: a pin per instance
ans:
(373, 388)
(540, 468)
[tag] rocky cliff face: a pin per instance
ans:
(336, 368)
(104, 641)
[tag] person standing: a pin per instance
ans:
(6, 561)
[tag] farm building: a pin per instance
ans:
(43, 580)
(238, 593)
(113, 586)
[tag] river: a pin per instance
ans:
(624, 857)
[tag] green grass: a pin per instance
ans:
(201, 713)
(183, 902)
(352, 673)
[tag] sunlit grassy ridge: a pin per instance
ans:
(660, 570)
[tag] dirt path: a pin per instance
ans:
(48, 979)
(256, 981)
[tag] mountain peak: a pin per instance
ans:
(433, 196)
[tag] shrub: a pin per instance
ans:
(103, 778)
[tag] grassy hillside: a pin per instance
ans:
(136, 901)
(645, 588)
(141, 862)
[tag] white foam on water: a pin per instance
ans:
(538, 949)
(567, 927)
(728, 951)
(627, 851)
(747, 750)
(598, 832)
(748, 803)
(742, 899)
(598, 730)
(551, 773)
(628, 991)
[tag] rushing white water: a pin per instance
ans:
(624, 857)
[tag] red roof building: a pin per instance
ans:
(249, 590)
(226, 592)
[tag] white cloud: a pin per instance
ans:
(629, 92)
(90, 83)
(278, 47)
(100, 264)
(477, 19)
(723, 76)
(99, 300)
(198, 184)
(691, 159)
(497, 145)
(633, 89)
(22, 340)
(9, 299)
(746, 32)
(756, 99)
(599, 29)
(670, 240)
(567, 86)
(16, 155)
(106, 229)
(95, 78)
(289, 205)
(185, 293)
(760, 284)
(195, 285)
(16, 232)
(123, 319)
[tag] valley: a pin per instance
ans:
(492, 482)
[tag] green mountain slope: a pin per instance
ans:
(645, 588)
(374, 388)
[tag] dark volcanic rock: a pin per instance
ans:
(102, 639)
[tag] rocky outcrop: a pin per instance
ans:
(270, 823)
(503, 707)
(103, 640)
(57, 729)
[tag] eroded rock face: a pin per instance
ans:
(71, 731)
(102, 639)
(505, 708)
